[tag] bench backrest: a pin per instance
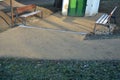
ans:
(25, 8)
(112, 12)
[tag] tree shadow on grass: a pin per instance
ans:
(36, 69)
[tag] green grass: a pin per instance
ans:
(33, 69)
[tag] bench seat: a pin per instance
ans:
(103, 19)
(30, 14)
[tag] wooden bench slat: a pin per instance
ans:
(25, 8)
(104, 19)
(98, 21)
(30, 14)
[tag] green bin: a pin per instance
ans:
(72, 7)
(77, 7)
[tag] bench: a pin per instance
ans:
(105, 20)
(27, 11)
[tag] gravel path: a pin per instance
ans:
(102, 36)
(42, 44)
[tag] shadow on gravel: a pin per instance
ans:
(115, 35)
(35, 69)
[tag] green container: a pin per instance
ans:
(81, 6)
(77, 7)
(72, 8)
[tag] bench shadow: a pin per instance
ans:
(4, 20)
(102, 36)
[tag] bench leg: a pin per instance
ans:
(24, 21)
(41, 14)
(115, 20)
(16, 21)
(94, 30)
(16, 18)
(109, 27)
